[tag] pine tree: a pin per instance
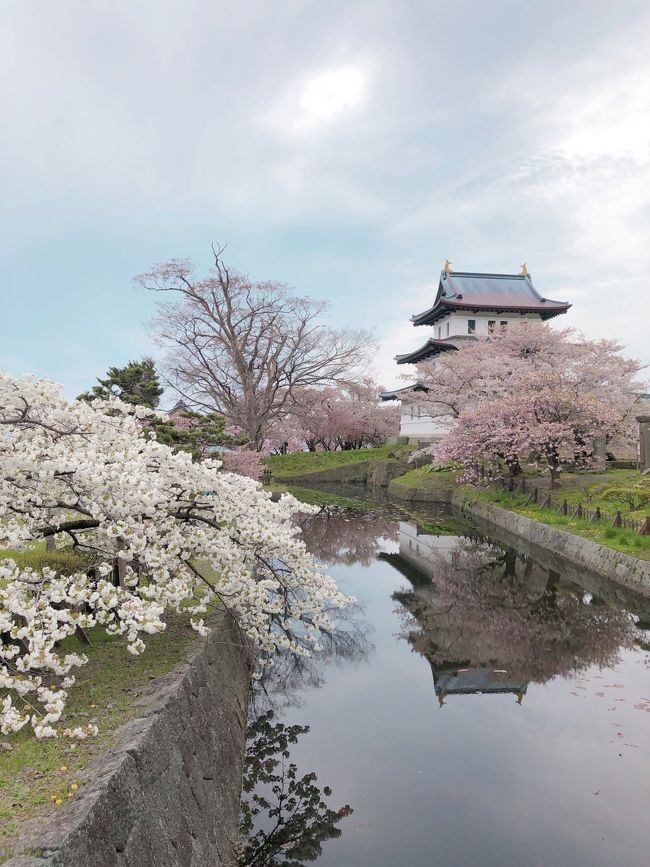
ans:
(137, 382)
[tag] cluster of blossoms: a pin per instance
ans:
(244, 462)
(550, 423)
(336, 417)
(529, 393)
(163, 534)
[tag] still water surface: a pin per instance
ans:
(479, 707)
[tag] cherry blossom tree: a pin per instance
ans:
(243, 462)
(549, 421)
(495, 366)
(530, 392)
(163, 534)
(344, 417)
(244, 348)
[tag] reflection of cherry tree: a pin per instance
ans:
(282, 683)
(490, 608)
(284, 819)
(337, 535)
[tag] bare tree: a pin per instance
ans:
(245, 348)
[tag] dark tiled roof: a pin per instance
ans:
(397, 392)
(501, 293)
(430, 348)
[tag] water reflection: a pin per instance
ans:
(284, 683)
(338, 535)
(540, 755)
(284, 819)
(490, 620)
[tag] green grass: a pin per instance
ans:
(422, 479)
(106, 692)
(300, 463)
(64, 560)
(589, 490)
(316, 497)
(620, 539)
(575, 488)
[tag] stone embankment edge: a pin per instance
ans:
(623, 569)
(168, 793)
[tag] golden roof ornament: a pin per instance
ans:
(524, 271)
(447, 267)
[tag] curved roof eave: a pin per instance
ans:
(396, 393)
(431, 347)
(545, 308)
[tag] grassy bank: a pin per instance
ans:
(317, 497)
(301, 463)
(42, 776)
(620, 539)
(592, 491)
(424, 481)
(38, 777)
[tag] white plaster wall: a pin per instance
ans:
(415, 424)
(458, 322)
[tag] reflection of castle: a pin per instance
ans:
(420, 552)
(449, 679)
(421, 555)
(417, 546)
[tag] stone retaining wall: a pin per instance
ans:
(168, 793)
(606, 562)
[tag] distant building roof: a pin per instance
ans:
(396, 393)
(501, 293)
(432, 347)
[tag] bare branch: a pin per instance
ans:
(245, 348)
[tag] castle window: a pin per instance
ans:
(471, 326)
(503, 324)
(491, 325)
(447, 329)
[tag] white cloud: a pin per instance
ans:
(345, 147)
(330, 95)
(402, 336)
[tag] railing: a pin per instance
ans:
(544, 500)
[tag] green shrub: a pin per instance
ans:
(64, 560)
(635, 496)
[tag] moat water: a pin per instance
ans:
(478, 707)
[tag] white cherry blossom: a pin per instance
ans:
(164, 535)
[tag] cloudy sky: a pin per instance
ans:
(345, 148)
